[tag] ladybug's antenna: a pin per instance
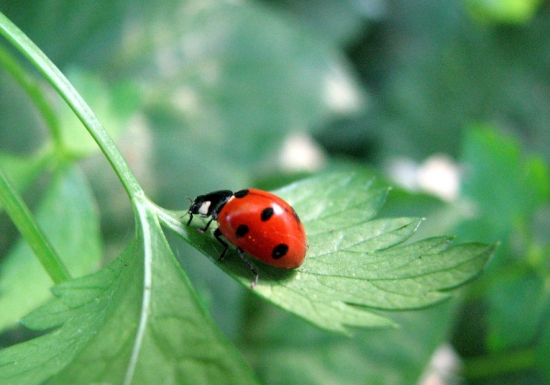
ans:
(187, 212)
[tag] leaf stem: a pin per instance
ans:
(32, 89)
(20, 41)
(23, 219)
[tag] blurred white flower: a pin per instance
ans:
(301, 153)
(438, 175)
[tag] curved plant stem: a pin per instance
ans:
(32, 89)
(23, 219)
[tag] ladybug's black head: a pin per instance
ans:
(199, 206)
(209, 204)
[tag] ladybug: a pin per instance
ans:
(258, 223)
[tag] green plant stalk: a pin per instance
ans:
(32, 89)
(19, 40)
(23, 219)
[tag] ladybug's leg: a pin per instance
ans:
(190, 219)
(251, 266)
(207, 225)
(217, 235)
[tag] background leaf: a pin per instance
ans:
(334, 21)
(505, 186)
(506, 11)
(284, 350)
(508, 190)
(229, 95)
(543, 350)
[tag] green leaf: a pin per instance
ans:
(336, 21)
(257, 77)
(504, 11)
(69, 219)
(505, 185)
(516, 303)
(443, 71)
(543, 347)
(287, 350)
(354, 265)
(506, 188)
(137, 321)
(72, 33)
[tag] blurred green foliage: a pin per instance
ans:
(201, 95)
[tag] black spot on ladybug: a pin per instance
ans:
(241, 193)
(279, 251)
(242, 230)
(267, 213)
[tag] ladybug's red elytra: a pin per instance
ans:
(256, 222)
